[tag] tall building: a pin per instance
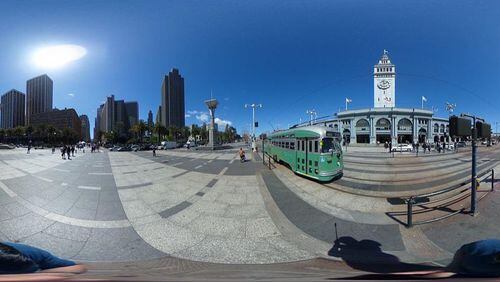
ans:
(384, 83)
(131, 113)
(84, 120)
(60, 119)
(158, 116)
(12, 109)
(97, 123)
(39, 93)
(172, 100)
(150, 119)
(116, 115)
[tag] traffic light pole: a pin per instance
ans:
(473, 195)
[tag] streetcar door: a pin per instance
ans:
(301, 155)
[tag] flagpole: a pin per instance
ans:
(346, 104)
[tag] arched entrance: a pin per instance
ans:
(405, 131)
(383, 130)
(362, 131)
(422, 135)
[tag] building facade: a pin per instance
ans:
(85, 124)
(116, 115)
(12, 109)
(39, 95)
(60, 119)
(385, 122)
(172, 100)
(150, 119)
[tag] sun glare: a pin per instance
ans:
(58, 55)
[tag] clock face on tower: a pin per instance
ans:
(384, 84)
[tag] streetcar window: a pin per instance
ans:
(298, 145)
(287, 145)
(303, 145)
(292, 145)
(316, 146)
(310, 146)
(328, 145)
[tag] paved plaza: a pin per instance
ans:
(208, 207)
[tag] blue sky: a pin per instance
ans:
(288, 55)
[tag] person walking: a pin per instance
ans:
(73, 150)
(68, 152)
(154, 151)
(63, 151)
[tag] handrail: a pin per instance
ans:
(412, 200)
(454, 187)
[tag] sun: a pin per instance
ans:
(57, 56)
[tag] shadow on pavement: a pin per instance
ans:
(366, 255)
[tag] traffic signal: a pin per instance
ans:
(483, 130)
(256, 124)
(460, 127)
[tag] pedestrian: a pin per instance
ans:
(63, 151)
(390, 147)
(68, 152)
(154, 151)
(416, 146)
(73, 150)
(53, 149)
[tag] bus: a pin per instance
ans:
(311, 151)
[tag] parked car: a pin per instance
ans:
(135, 148)
(461, 144)
(402, 148)
(115, 148)
(124, 149)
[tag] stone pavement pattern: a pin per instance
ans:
(209, 207)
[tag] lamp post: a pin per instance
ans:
(311, 113)
(253, 106)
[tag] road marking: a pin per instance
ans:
(43, 178)
(89, 187)
(197, 167)
(222, 171)
(6, 189)
(231, 161)
(62, 170)
(100, 173)
(64, 184)
(178, 163)
(210, 161)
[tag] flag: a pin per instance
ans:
(347, 100)
(424, 99)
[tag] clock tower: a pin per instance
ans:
(384, 83)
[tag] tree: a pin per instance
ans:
(141, 129)
(160, 130)
(204, 132)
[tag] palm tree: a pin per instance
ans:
(51, 131)
(141, 128)
(160, 130)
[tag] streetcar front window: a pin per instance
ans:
(328, 145)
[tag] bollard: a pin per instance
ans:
(269, 161)
(409, 213)
(492, 180)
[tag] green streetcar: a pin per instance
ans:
(312, 151)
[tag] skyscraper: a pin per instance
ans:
(85, 128)
(39, 92)
(12, 109)
(150, 119)
(172, 100)
(116, 115)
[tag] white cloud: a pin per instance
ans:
(203, 117)
(71, 95)
(222, 123)
(187, 115)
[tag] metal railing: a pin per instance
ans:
(419, 199)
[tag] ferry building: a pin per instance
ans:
(385, 122)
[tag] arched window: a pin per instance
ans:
(362, 125)
(383, 124)
(436, 128)
(405, 124)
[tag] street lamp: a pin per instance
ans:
(253, 106)
(311, 113)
